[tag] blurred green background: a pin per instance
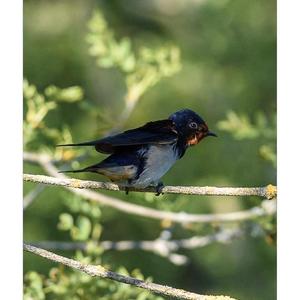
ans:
(227, 75)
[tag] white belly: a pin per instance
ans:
(159, 159)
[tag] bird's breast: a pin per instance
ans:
(158, 159)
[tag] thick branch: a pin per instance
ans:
(267, 207)
(99, 271)
(188, 190)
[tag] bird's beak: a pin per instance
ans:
(209, 133)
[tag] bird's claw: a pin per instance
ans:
(127, 186)
(159, 187)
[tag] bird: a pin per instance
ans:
(140, 157)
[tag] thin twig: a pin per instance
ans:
(267, 207)
(187, 190)
(28, 199)
(159, 246)
(100, 271)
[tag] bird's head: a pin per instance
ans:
(190, 126)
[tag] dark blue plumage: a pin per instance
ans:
(140, 157)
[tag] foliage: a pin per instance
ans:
(35, 126)
(62, 283)
(242, 128)
(141, 70)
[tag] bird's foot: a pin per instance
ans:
(129, 181)
(159, 187)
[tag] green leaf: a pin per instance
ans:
(96, 233)
(106, 62)
(33, 287)
(128, 63)
(82, 230)
(239, 126)
(268, 153)
(65, 221)
(70, 94)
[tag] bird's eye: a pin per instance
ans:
(193, 125)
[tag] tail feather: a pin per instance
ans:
(93, 168)
(74, 171)
(90, 143)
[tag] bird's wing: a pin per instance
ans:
(157, 132)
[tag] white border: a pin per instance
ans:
(288, 149)
(11, 149)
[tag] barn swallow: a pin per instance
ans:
(140, 157)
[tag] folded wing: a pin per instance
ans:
(157, 132)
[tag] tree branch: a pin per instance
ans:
(266, 208)
(155, 246)
(100, 271)
(28, 199)
(187, 190)
(160, 246)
